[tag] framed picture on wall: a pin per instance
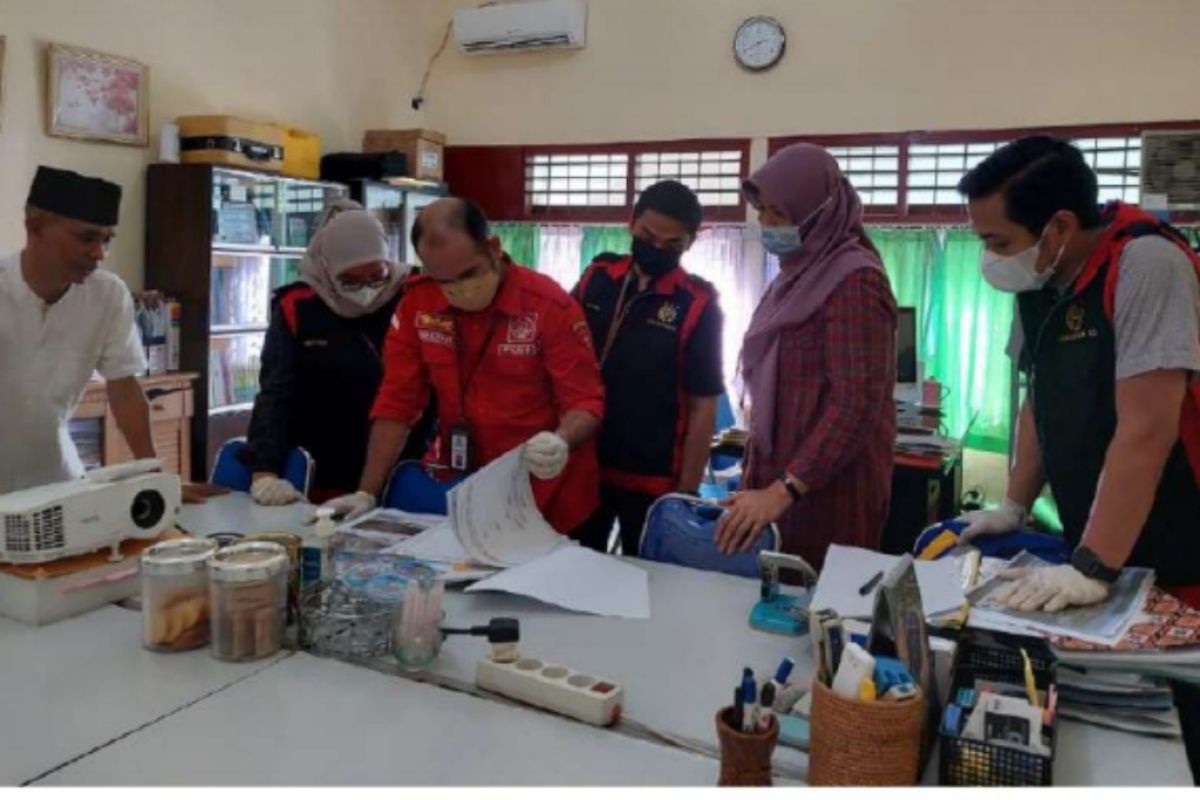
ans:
(96, 96)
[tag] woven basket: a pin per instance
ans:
(858, 743)
(745, 757)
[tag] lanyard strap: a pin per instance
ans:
(473, 365)
(619, 314)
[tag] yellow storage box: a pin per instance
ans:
(301, 154)
(422, 147)
(231, 142)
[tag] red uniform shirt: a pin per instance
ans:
(524, 362)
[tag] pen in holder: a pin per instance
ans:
(745, 757)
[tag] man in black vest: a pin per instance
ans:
(1108, 332)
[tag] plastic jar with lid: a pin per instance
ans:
(175, 606)
(248, 591)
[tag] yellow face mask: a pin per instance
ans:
(474, 293)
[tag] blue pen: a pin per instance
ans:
(748, 690)
(750, 720)
(784, 672)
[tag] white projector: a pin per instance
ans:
(105, 507)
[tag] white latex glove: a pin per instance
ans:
(1005, 519)
(546, 455)
(269, 490)
(352, 506)
(1049, 589)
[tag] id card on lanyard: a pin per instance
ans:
(461, 438)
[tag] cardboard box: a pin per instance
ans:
(422, 147)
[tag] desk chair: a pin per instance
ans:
(418, 489)
(229, 471)
(679, 530)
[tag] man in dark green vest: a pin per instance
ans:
(1108, 332)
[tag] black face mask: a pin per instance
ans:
(653, 262)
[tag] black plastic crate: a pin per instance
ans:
(997, 657)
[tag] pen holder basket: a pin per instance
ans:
(990, 656)
(745, 757)
(864, 743)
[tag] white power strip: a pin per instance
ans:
(585, 697)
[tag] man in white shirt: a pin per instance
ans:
(61, 318)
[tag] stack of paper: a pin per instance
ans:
(494, 521)
(847, 570)
(1124, 700)
(1104, 623)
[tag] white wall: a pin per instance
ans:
(663, 69)
(331, 66)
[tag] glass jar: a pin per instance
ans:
(248, 591)
(175, 604)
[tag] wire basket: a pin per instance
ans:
(997, 657)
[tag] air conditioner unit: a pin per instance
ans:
(514, 27)
(102, 509)
(1171, 169)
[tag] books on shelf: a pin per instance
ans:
(233, 366)
(157, 317)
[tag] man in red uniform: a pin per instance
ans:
(509, 356)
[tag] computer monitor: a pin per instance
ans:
(906, 345)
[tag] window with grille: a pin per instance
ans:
(577, 180)
(874, 172)
(1117, 162)
(714, 175)
(934, 170)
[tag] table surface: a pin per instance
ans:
(677, 668)
(77, 684)
(311, 721)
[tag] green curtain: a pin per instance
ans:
(908, 255)
(521, 240)
(970, 326)
(962, 326)
(599, 239)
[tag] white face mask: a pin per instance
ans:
(1018, 273)
(362, 296)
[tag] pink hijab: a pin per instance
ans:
(799, 179)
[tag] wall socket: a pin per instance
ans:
(554, 687)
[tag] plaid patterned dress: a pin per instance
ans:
(835, 421)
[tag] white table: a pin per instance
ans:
(78, 684)
(682, 664)
(310, 721)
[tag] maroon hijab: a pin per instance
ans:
(799, 179)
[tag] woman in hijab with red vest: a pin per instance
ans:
(819, 368)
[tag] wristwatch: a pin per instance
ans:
(1088, 563)
(791, 487)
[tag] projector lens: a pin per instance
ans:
(148, 509)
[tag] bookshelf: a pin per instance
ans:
(222, 241)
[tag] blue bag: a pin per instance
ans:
(679, 530)
(1051, 549)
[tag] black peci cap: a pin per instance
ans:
(76, 196)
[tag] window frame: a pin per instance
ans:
(906, 214)
(621, 215)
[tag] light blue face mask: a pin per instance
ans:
(780, 240)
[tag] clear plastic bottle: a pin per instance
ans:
(248, 591)
(175, 601)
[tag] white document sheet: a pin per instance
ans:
(578, 579)
(496, 518)
(438, 546)
(848, 569)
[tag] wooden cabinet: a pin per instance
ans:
(100, 442)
